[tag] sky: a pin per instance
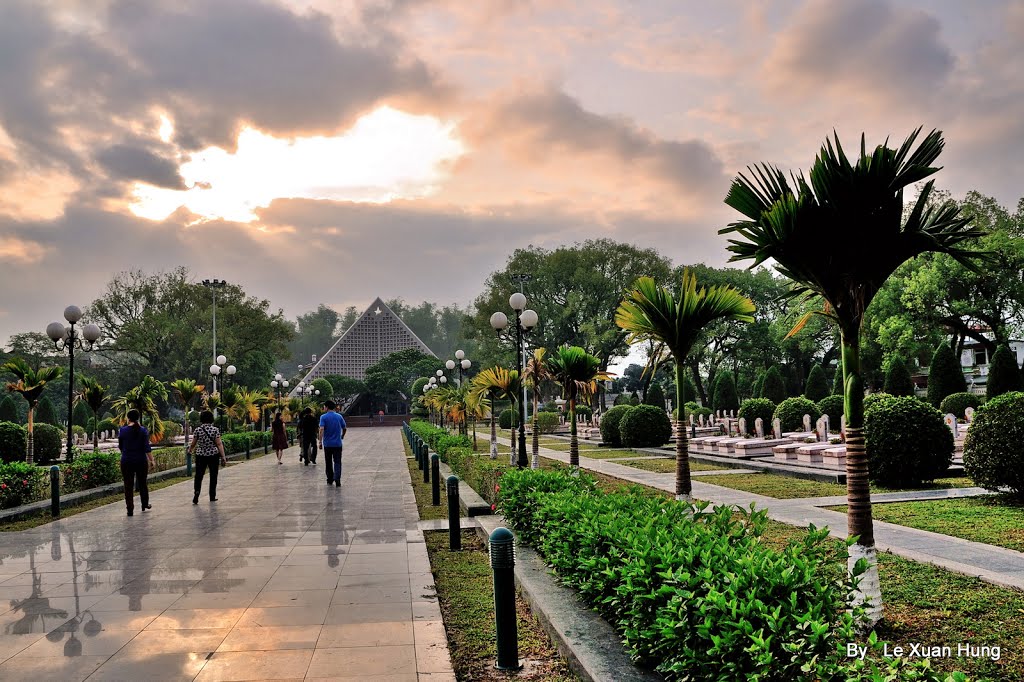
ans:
(334, 151)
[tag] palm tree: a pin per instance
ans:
(860, 206)
(478, 406)
(93, 394)
(675, 318)
(228, 401)
(496, 382)
(30, 384)
(578, 372)
(535, 373)
(187, 391)
(247, 406)
(143, 398)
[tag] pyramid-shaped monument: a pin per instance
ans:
(377, 333)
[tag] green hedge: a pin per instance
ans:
(508, 418)
(91, 470)
(907, 441)
(833, 406)
(21, 483)
(993, 456)
(753, 408)
(610, 424)
(47, 441)
(547, 422)
(790, 412)
(956, 404)
(13, 442)
(644, 426)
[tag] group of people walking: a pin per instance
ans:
(325, 433)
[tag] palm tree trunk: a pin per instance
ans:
(96, 431)
(684, 488)
(30, 455)
(535, 463)
(494, 434)
(512, 452)
(574, 445)
(858, 489)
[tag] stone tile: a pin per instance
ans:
(10, 645)
(213, 600)
(104, 643)
(271, 598)
(58, 669)
(125, 620)
(372, 595)
(433, 658)
(176, 641)
(141, 602)
(374, 580)
(271, 638)
(363, 663)
(149, 666)
(357, 613)
(284, 615)
(186, 619)
(429, 633)
(366, 634)
(268, 665)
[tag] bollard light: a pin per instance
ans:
(454, 529)
(435, 480)
(55, 491)
(502, 549)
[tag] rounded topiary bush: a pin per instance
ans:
(547, 422)
(583, 411)
(109, 425)
(753, 408)
(873, 398)
(993, 457)
(645, 426)
(508, 418)
(956, 404)
(13, 442)
(790, 412)
(816, 387)
(907, 441)
(832, 405)
(610, 424)
(47, 440)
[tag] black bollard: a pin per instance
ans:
(454, 530)
(426, 467)
(55, 491)
(248, 445)
(502, 549)
(424, 455)
(435, 481)
(266, 444)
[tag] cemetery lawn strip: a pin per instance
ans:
(788, 488)
(40, 518)
(994, 519)
(668, 465)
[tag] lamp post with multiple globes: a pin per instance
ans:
(526, 320)
(68, 338)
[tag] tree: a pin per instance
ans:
(344, 388)
(143, 398)
(774, 388)
(689, 393)
(655, 396)
(326, 389)
(395, 372)
(860, 206)
(187, 391)
(577, 372)
(47, 412)
(817, 387)
(837, 381)
(496, 383)
(676, 318)
(1003, 374)
(315, 332)
(8, 410)
(30, 384)
(439, 327)
(945, 376)
(897, 378)
(536, 373)
(80, 414)
(632, 377)
(726, 398)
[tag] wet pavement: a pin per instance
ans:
(283, 577)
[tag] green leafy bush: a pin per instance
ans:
(655, 396)
(80, 414)
(816, 387)
(583, 411)
(774, 387)
(446, 441)
(790, 412)
(753, 408)
(107, 425)
(45, 412)
(172, 430)
(837, 381)
(907, 441)
(91, 470)
(645, 426)
(873, 398)
(725, 397)
(547, 422)
(13, 442)
(508, 418)
(47, 442)
(20, 483)
(1003, 374)
(610, 424)
(897, 378)
(945, 376)
(956, 404)
(77, 430)
(621, 399)
(9, 410)
(833, 406)
(993, 456)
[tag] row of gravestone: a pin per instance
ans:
(954, 426)
(821, 428)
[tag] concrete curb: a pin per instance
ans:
(470, 502)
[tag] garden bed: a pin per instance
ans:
(667, 465)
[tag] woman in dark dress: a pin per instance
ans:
(280, 438)
(136, 460)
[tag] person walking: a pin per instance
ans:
(136, 460)
(332, 435)
(309, 425)
(280, 437)
(209, 453)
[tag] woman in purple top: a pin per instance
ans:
(136, 460)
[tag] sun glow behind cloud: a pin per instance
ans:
(387, 155)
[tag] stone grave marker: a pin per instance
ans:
(950, 420)
(702, 421)
(777, 428)
(692, 420)
(742, 427)
(842, 427)
(807, 423)
(759, 427)
(969, 413)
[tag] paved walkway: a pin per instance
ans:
(993, 564)
(284, 577)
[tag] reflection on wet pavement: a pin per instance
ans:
(321, 581)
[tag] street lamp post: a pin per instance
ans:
(526, 320)
(66, 338)
(213, 285)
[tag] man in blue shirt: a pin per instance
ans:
(332, 434)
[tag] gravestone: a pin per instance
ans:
(822, 428)
(742, 427)
(777, 429)
(807, 423)
(718, 413)
(842, 427)
(969, 413)
(950, 420)
(702, 421)
(691, 420)
(759, 427)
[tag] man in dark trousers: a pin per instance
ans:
(332, 434)
(308, 426)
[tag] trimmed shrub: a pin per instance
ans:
(945, 376)
(689, 390)
(47, 441)
(726, 397)
(872, 398)
(837, 381)
(447, 441)
(690, 407)
(816, 387)
(91, 470)
(13, 442)
(833, 406)
(582, 411)
(753, 408)
(645, 426)
(9, 411)
(655, 396)
(621, 399)
(774, 387)
(610, 424)
(755, 390)
(110, 425)
(956, 404)
(80, 414)
(907, 441)
(897, 378)
(45, 412)
(508, 418)
(634, 399)
(20, 483)
(790, 412)
(1003, 374)
(547, 422)
(993, 456)
(77, 430)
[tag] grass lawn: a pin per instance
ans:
(995, 520)
(484, 445)
(668, 466)
(788, 487)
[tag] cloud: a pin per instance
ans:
(129, 162)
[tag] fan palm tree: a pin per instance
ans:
(860, 206)
(496, 382)
(93, 394)
(228, 401)
(577, 372)
(247, 406)
(30, 384)
(187, 392)
(478, 406)
(675, 318)
(536, 372)
(143, 398)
